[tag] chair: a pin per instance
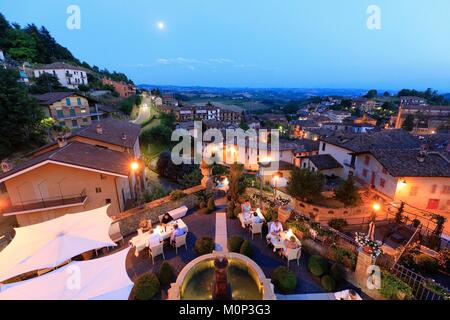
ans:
(292, 254)
(114, 232)
(256, 228)
(180, 241)
(156, 251)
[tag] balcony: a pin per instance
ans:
(46, 204)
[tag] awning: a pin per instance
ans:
(99, 279)
(49, 244)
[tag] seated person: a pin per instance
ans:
(144, 225)
(154, 239)
(275, 229)
(256, 218)
(246, 210)
(176, 233)
(291, 243)
(166, 218)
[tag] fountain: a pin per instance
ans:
(221, 287)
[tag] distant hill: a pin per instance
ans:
(292, 92)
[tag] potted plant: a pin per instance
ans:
(368, 245)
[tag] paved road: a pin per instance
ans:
(144, 111)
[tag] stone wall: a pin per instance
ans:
(129, 220)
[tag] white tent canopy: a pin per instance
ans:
(99, 279)
(49, 244)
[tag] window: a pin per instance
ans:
(108, 201)
(98, 190)
(83, 110)
(367, 160)
(433, 204)
(67, 101)
(62, 123)
(324, 146)
(79, 101)
(304, 164)
(446, 189)
(433, 188)
(74, 123)
(72, 113)
(382, 182)
(2, 187)
(353, 160)
(59, 114)
(413, 191)
(364, 173)
(85, 120)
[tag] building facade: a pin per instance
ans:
(69, 76)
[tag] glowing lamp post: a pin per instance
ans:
(261, 164)
(135, 167)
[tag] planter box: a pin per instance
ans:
(284, 213)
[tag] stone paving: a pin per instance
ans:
(205, 225)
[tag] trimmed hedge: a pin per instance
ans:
(235, 243)
(284, 280)
(246, 249)
(328, 283)
(204, 245)
(211, 205)
(147, 286)
(317, 265)
(166, 273)
(337, 272)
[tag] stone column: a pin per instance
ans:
(207, 181)
(364, 268)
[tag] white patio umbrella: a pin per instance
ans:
(371, 232)
(99, 279)
(50, 243)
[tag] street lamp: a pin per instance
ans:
(275, 181)
(134, 166)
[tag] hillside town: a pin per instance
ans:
(349, 182)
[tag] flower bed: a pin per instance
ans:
(369, 246)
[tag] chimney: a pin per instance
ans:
(6, 165)
(99, 129)
(124, 136)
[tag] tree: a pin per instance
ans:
(160, 133)
(347, 192)
(386, 94)
(168, 120)
(408, 124)
(244, 126)
(305, 184)
(236, 180)
(399, 213)
(20, 115)
(371, 94)
(46, 83)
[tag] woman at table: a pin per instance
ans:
(177, 232)
(291, 243)
(246, 210)
(256, 219)
(274, 231)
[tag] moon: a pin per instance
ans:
(161, 25)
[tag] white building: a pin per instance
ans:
(69, 76)
(337, 115)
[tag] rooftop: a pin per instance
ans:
(324, 162)
(60, 65)
(52, 97)
(406, 164)
(363, 142)
(78, 154)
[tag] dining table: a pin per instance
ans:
(141, 241)
(278, 240)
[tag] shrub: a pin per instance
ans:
(211, 205)
(426, 264)
(204, 245)
(146, 287)
(416, 223)
(344, 256)
(177, 194)
(328, 283)
(202, 204)
(237, 210)
(230, 210)
(246, 249)
(284, 280)
(235, 243)
(317, 265)
(166, 273)
(337, 272)
(338, 223)
(393, 288)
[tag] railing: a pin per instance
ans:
(417, 283)
(46, 203)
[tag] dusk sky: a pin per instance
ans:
(255, 43)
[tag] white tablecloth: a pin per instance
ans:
(140, 242)
(278, 242)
